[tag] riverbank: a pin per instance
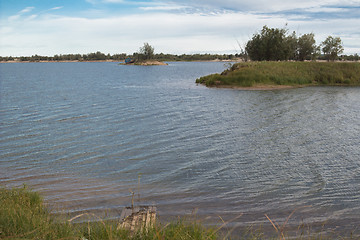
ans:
(279, 75)
(23, 215)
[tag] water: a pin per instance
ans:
(83, 134)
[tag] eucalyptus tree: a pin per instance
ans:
(268, 45)
(332, 47)
(306, 46)
(272, 44)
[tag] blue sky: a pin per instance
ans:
(49, 27)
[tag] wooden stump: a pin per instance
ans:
(137, 218)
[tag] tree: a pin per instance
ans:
(332, 47)
(271, 44)
(306, 46)
(290, 47)
(147, 51)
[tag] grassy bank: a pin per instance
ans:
(252, 74)
(24, 216)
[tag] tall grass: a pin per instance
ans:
(24, 216)
(249, 74)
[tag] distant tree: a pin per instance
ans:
(332, 47)
(91, 56)
(290, 47)
(306, 46)
(147, 51)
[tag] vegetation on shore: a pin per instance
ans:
(23, 215)
(274, 44)
(296, 74)
(272, 48)
(270, 44)
(119, 57)
(99, 56)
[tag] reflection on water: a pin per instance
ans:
(81, 133)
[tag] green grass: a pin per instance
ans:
(250, 74)
(24, 216)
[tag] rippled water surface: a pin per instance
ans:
(84, 134)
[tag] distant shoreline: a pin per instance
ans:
(64, 61)
(74, 61)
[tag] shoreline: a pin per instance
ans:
(119, 61)
(65, 61)
(259, 87)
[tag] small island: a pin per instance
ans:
(145, 63)
(145, 57)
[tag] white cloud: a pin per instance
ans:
(31, 17)
(26, 10)
(262, 6)
(113, 1)
(167, 32)
(14, 17)
(162, 8)
(20, 13)
(56, 8)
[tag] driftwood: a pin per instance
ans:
(137, 218)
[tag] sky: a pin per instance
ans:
(49, 27)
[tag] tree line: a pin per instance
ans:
(274, 44)
(270, 44)
(99, 56)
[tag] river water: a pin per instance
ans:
(87, 134)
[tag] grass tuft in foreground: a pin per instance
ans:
(252, 74)
(24, 216)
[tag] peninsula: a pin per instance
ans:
(270, 75)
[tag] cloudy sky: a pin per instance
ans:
(49, 27)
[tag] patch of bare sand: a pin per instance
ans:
(152, 62)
